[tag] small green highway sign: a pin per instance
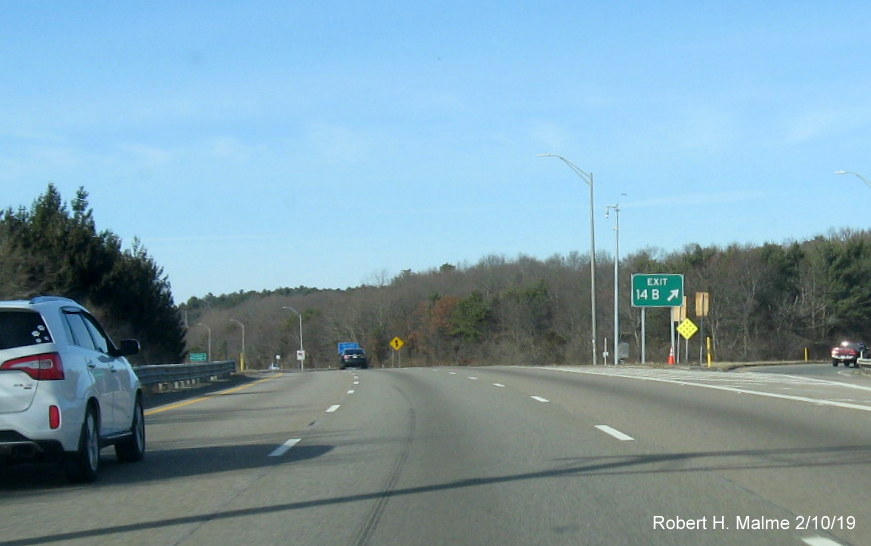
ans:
(199, 357)
(657, 290)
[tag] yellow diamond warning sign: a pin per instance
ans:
(687, 328)
(396, 343)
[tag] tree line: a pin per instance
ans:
(55, 248)
(768, 302)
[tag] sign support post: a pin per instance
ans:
(703, 304)
(643, 336)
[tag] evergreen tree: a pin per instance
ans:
(48, 250)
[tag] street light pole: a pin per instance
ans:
(242, 354)
(616, 209)
(301, 362)
(209, 352)
(862, 178)
(588, 179)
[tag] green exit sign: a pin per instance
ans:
(657, 290)
(199, 357)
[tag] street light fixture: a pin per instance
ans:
(862, 178)
(242, 353)
(302, 361)
(616, 209)
(588, 179)
(209, 352)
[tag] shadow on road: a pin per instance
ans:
(233, 458)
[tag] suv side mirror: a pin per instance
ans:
(128, 347)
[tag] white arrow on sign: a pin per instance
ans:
(673, 295)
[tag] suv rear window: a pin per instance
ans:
(22, 328)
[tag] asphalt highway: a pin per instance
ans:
(496, 455)
(819, 370)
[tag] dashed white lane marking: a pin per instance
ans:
(473, 378)
(500, 385)
(540, 399)
(285, 447)
(453, 373)
(352, 391)
(333, 408)
(614, 432)
(820, 541)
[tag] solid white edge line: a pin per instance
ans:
(285, 447)
(614, 432)
(540, 399)
(820, 541)
(817, 401)
(333, 408)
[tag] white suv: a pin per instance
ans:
(66, 391)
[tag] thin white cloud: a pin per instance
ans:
(686, 199)
(551, 136)
(231, 148)
(340, 143)
(213, 238)
(825, 122)
(149, 156)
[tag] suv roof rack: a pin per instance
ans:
(41, 299)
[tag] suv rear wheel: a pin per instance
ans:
(133, 449)
(83, 464)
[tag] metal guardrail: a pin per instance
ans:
(162, 377)
(865, 364)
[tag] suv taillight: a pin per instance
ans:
(44, 367)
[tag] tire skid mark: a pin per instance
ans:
(374, 517)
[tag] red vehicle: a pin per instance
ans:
(848, 352)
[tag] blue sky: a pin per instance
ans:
(253, 145)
